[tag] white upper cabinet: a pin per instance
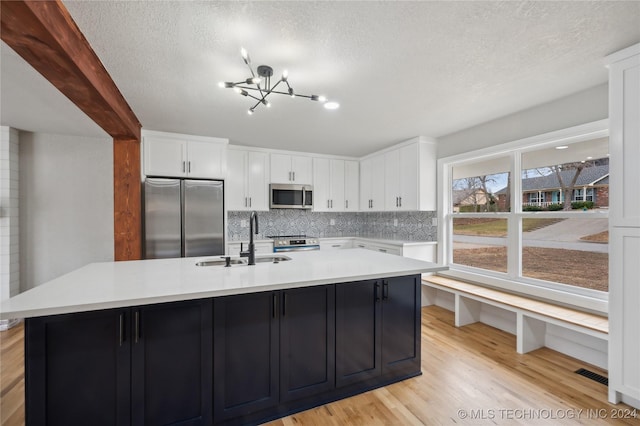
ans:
(351, 186)
(372, 183)
(624, 136)
(176, 155)
(392, 180)
(328, 185)
(246, 185)
(291, 169)
(402, 178)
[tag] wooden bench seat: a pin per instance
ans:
(532, 315)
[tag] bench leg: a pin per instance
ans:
(530, 333)
(429, 295)
(467, 310)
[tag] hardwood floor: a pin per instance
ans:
(12, 376)
(471, 375)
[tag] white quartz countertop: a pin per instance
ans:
(108, 285)
(382, 240)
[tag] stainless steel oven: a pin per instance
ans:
(294, 243)
(289, 196)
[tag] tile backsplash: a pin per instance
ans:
(409, 226)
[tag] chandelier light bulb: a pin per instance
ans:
(237, 89)
(244, 54)
(332, 105)
(250, 111)
(322, 98)
(285, 75)
(221, 85)
(268, 104)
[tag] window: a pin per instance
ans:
(536, 197)
(548, 230)
(582, 194)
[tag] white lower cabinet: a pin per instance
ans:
(624, 294)
(383, 248)
(262, 247)
(333, 244)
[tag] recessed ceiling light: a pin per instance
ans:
(562, 147)
(332, 105)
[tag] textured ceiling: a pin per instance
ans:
(398, 69)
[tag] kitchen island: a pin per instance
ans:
(166, 341)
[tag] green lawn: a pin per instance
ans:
(495, 227)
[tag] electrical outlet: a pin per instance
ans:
(434, 221)
(395, 222)
(332, 222)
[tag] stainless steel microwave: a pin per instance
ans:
(289, 196)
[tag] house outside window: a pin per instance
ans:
(526, 237)
(582, 195)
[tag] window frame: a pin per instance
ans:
(513, 280)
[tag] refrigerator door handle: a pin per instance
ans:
(182, 219)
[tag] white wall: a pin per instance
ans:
(66, 204)
(9, 216)
(582, 107)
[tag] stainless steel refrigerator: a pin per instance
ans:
(183, 218)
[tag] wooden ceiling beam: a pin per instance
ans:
(45, 35)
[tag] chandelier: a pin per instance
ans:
(260, 86)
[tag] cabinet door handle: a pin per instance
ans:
(336, 245)
(275, 305)
(249, 201)
(294, 176)
(400, 201)
(346, 204)
(382, 250)
(184, 166)
(189, 166)
(376, 286)
(136, 326)
(245, 201)
(331, 203)
(385, 290)
(327, 203)
(396, 201)
(284, 303)
(121, 329)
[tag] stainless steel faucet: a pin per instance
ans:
(251, 252)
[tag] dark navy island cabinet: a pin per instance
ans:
(144, 366)
(271, 348)
(377, 330)
(242, 359)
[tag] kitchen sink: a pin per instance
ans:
(221, 262)
(244, 260)
(272, 258)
